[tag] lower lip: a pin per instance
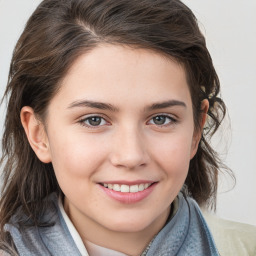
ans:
(129, 198)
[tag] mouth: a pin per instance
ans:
(128, 193)
(124, 188)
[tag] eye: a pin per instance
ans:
(161, 120)
(93, 121)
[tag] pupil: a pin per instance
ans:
(159, 120)
(94, 121)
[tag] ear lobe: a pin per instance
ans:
(36, 134)
(198, 132)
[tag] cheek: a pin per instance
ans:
(75, 157)
(173, 154)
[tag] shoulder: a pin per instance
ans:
(232, 238)
(28, 237)
(50, 237)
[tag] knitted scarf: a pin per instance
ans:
(186, 234)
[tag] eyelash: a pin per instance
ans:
(172, 120)
(89, 118)
(84, 120)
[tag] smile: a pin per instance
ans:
(126, 188)
(128, 194)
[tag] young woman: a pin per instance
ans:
(111, 106)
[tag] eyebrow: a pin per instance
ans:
(165, 104)
(93, 104)
(110, 107)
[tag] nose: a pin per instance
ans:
(129, 149)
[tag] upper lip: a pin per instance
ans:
(130, 183)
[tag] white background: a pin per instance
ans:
(230, 30)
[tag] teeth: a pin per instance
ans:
(126, 188)
(134, 188)
(141, 187)
(116, 187)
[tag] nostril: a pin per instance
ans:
(129, 161)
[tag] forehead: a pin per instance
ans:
(118, 73)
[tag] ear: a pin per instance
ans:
(198, 132)
(36, 134)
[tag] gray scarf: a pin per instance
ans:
(186, 234)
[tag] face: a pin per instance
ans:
(120, 135)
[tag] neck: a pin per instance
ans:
(130, 243)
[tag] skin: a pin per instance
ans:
(127, 143)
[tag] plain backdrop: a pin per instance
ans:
(230, 30)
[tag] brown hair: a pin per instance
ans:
(55, 35)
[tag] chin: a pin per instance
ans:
(130, 225)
